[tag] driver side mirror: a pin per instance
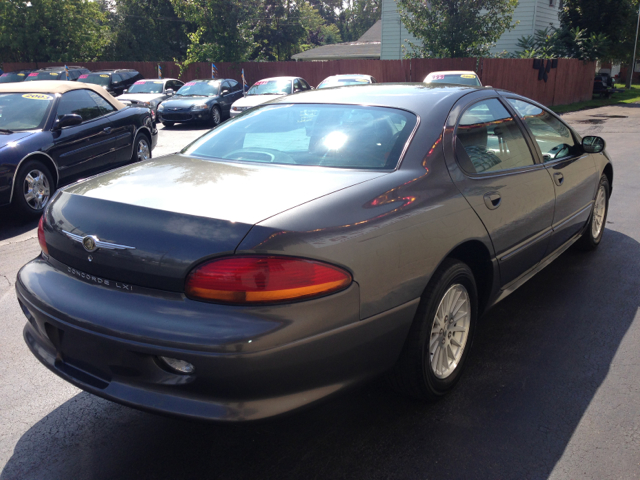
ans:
(224, 92)
(125, 90)
(67, 120)
(593, 144)
(169, 92)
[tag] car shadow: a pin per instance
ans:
(187, 127)
(539, 359)
(12, 224)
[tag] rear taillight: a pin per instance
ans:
(264, 279)
(43, 244)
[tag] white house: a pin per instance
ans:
(532, 14)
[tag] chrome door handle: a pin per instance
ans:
(492, 200)
(558, 178)
(107, 130)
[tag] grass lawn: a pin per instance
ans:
(627, 96)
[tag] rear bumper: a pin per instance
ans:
(251, 365)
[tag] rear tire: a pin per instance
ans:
(592, 236)
(141, 148)
(441, 335)
(33, 188)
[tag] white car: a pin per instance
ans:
(457, 77)
(268, 89)
(150, 92)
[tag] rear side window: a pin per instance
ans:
(488, 139)
(78, 102)
(552, 136)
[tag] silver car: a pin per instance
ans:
(306, 246)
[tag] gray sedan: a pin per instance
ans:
(306, 246)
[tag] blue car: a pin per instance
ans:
(52, 133)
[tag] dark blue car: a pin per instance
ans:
(52, 133)
(200, 101)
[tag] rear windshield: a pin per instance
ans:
(197, 89)
(45, 76)
(270, 87)
(147, 86)
(340, 136)
(12, 77)
(96, 78)
(24, 111)
(458, 79)
(340, 82)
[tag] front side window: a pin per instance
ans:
(78, 102)
(24, 111)
(340, 136)
(489, 140)
(552, 136)
(105, 107)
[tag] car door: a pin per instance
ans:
(123, 129)
(573, 171)
(85, 148)
(492, 165)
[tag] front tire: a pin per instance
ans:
(441, 335)
(216, 116)
(592, 236)
(33, 188)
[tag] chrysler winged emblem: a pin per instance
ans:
(91, 243)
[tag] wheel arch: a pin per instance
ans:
(42, 157)
(477, 256)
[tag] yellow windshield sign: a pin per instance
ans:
(21, 74)
(468, 76)
(104, 76)
(157, 82)
(37, 96)
(54, 74)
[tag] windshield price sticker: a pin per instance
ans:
(189, 84)
(20, 74)
(261, 82)
(4, 75)
(139, 82)
(156, 82)
(54, 74)
(104, 76)
(468, 76)
(33, 74)
(37, 96)
(437, 77)
(84, 76)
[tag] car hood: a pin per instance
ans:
(186, 102)
(236, 192)
(253, 100)
(140, 97)
(5, 139)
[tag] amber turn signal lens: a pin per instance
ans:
(264, 279)
(43, 244)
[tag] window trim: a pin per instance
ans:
(576, 137)
(84, 122)
(537, 164)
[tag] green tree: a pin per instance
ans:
(146, 30)
(456, 28)
(563, 42)
(221, 30)
(358, 17)
(52, 30)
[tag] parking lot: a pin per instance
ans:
(551, 389)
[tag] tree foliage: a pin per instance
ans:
(563, 42)
(456, 28)
(52, 31)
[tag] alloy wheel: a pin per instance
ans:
(36, 189)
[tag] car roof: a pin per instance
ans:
(349, 75)
(60, 68)
(57, 86)
(161, 80)
(413, 97)
(277, 78)
(454, 72)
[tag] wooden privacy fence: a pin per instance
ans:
(568, 82)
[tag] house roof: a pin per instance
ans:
(366, 47)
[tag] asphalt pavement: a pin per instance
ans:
(551, 389)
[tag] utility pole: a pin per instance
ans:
(633, 61)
